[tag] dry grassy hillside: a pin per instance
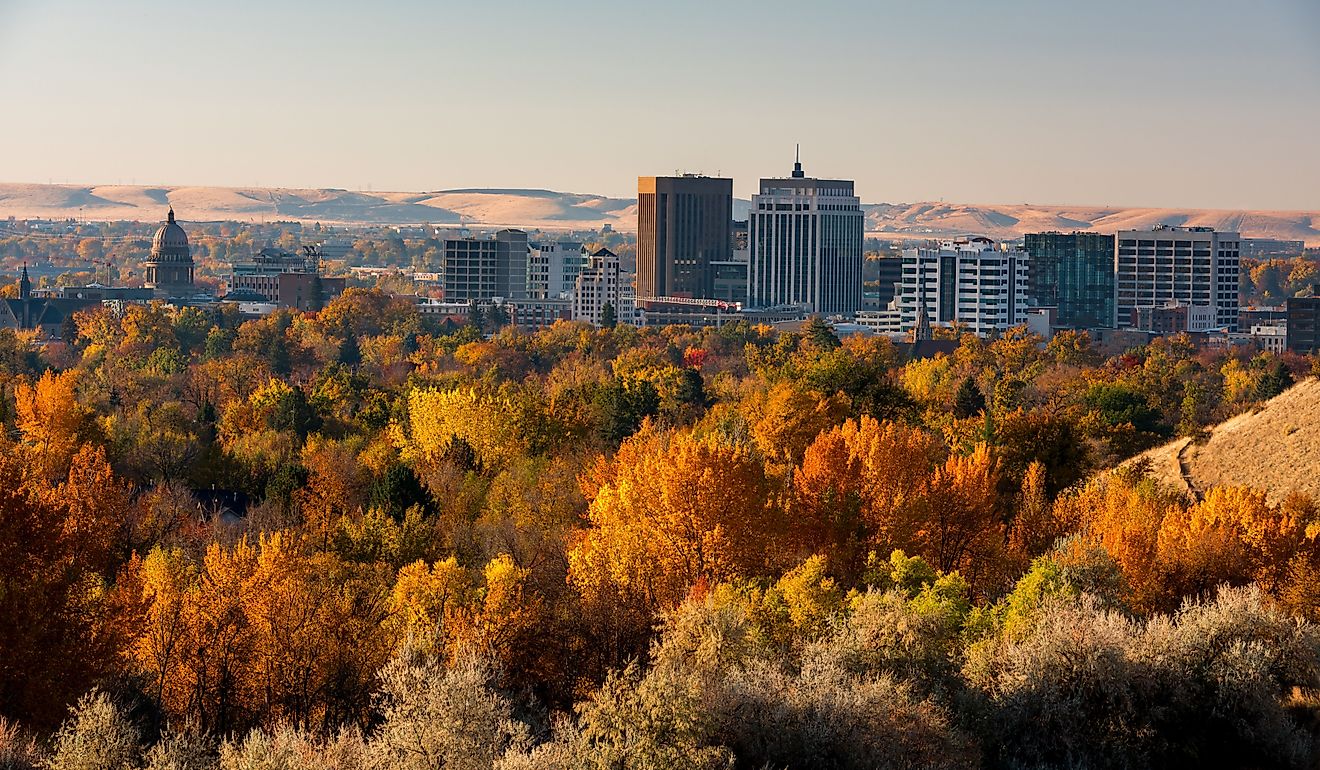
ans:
(551, 210)
(928, 220)
(1275, 448)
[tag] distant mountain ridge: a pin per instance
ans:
(552, 210)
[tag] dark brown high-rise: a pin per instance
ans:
(683, 224)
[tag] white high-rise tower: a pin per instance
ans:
(805, 244)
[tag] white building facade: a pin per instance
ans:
(596, 286)
(805, 240)
(1194, 266)
(974, 283)
(553, 267)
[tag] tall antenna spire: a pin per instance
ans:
(797, 161)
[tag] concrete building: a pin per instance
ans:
(553, 267)
(535, 313)
(973, 283)
(1272, 338)
(1195, 266)
(1173, 318)
(805, 237)
(261, 274)
(1304, 324)
(486, 268)
(684, 223)
(1271, 248)
(597, 286)
(284, 279)
(1073, 272)
(170, 266)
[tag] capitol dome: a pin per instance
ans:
(170, 267)
(170, 241)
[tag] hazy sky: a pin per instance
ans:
(1208, 103)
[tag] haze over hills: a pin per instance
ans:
(547, 209)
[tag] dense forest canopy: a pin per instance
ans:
(355, 538)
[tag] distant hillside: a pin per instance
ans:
(1276, 449)
(548, 209)
(924, 220)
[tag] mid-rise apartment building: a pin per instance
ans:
(1194, 266)
(972, 283)
(552, 268)
(597, 285)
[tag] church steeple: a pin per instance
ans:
(922, 331)
(24, 284)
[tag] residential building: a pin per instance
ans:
(597, 286)
(486, 268)
(684, 223)
(1304, 324)
(1195, 266)
(553, 267)
(806, 244)
(974, 283)
(169, 267)
(1073, 272)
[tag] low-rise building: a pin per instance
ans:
(1270, 337)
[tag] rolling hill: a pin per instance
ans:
(548, 209)
(1275, 448)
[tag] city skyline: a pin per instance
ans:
(1204, 104)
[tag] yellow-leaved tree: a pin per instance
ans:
(674, 511)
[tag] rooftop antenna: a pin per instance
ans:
(797, 161)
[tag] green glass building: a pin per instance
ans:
(1075, 273)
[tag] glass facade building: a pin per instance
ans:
(1073, 272)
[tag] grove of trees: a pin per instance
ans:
(354, 538)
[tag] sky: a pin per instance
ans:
(1177, 103)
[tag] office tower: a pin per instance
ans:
(683, 225)
(1073, 272)
(889, 273)
(806, 245)
(1188, 265)
(486, 268)
(596, 286)
(981, 287)
(169, 268)
(552, 267)
(1303, 325)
